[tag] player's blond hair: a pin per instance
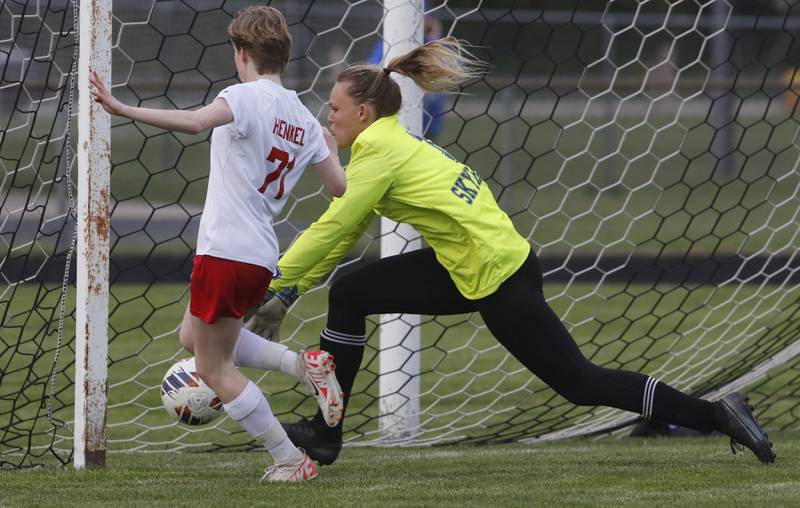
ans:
(442, 65)
(263, 31)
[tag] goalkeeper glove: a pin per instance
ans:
(266, 321)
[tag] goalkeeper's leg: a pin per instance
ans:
(413, 283)
(519, 317)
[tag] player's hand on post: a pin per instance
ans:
(102, 95)
(266, 321)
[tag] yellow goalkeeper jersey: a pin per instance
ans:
(408, 179)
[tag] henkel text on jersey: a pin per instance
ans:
(289, 132)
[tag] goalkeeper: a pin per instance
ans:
(477, 261)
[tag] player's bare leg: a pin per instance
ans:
(214, 347)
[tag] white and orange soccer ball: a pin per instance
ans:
(186, 397)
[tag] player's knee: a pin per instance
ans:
(580, 387)
(209, 377)
(185, 339)
(208, 372)
(342, 296)
(579, 397)
(575, 392)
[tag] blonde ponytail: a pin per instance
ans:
(442, 65)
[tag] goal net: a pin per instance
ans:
(647, 149)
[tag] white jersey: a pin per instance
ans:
(255, 162)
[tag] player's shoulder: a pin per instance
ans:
(384, 136)
(290, 100)
(262, 89)
(368, 146)
(308, 120)
(234, 89)
(382, 131)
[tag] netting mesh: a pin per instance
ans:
(648, 150)
(37, 51)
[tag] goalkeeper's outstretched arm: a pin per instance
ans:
(324, 267)
(266, 321)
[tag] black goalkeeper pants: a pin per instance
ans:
(516, 314)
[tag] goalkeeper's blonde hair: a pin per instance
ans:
(443, 65)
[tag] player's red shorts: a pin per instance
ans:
(225, 288)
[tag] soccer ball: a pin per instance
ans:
(186, 397)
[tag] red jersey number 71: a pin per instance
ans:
(284, 166)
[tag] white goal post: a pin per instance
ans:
(94, 196)
(400, 333)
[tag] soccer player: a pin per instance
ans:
(477, 261)
(263, 138)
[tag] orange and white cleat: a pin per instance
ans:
(292, 471)
(317, 368)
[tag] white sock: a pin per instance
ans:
(253, 413)
(260, 353)
(279, 445)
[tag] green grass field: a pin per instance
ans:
(467, 381)
(578, 472)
